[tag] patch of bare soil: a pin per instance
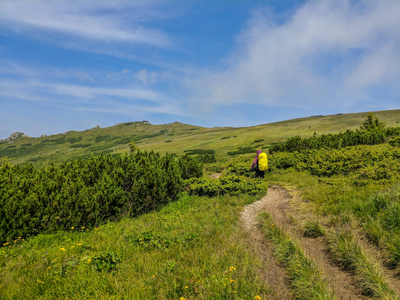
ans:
(277, 204)
(215, 176)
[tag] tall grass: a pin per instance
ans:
(305, 278)
(193, 249)
(351, 256)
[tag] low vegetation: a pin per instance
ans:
(87, 192)
(153, 225)
(305, 278)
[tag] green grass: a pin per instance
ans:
(193, 248)
(313, 229)
(373, 210)
(305, 278)
(351, 256)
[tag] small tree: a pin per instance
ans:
(372, 123)
(132, 147)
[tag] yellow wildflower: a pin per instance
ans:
(231, 269)
(79, 244)
(63, 249)
(232, 281)
(186, 287)
(257, 297)
(181, 298)
(83, 227)
(89, 261)
(5, 244)
(72, 228)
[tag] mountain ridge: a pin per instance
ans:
(176, 137)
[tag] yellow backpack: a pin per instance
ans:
(262, 162)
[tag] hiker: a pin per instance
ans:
(260, 164)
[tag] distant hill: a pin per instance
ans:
(176, 137)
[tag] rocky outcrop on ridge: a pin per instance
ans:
(15, 136)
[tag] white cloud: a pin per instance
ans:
(152, 77)
(325, 53)
(93, 92)
(36, 90)
(132, 109)
(96, 20)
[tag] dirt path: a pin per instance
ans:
(277, 204)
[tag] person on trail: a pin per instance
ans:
(255, 166)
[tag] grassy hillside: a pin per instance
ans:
(177, 137)
(334, 235)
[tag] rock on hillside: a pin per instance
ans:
(15, 136)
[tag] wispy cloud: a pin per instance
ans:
(36, 90)
(91, 20)
(325, 53)
(50, 89)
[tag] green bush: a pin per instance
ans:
(85, 192)
(206, 158)
(241, 150)
(80, 146)
(190, 167)
(239, 168)
(74, 140)
(361, 163)
(395, 142)
(228, 185)
(336, 141)
(199, 151)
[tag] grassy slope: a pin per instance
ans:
(177, 137)
(191, 249)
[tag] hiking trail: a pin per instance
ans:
(277, 204)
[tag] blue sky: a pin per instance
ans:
(72, 65)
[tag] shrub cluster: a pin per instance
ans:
(362, 162)
(199, 151)
(190, 167)
(241, 150)
(228, 185)
(336, 141)
(87, 192)
(240, 169)
(395, 142)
